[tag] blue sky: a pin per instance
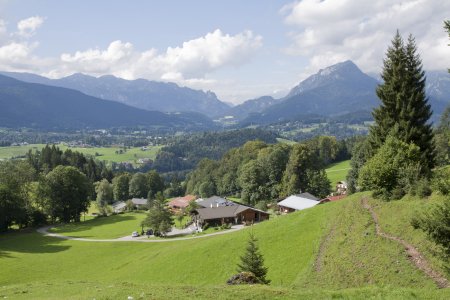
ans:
(238, 49)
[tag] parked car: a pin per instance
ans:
(135, 234)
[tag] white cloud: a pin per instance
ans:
(187, 63)
(28, 27)
(328, 31)
(15, 49)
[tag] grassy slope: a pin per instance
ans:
(354, 257)
(395, 218)
(204, 261)
(106, 153)
(338, 171)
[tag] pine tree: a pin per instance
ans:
(253, 261)
(403, 102)
(416, 111)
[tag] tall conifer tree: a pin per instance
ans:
(404, 105)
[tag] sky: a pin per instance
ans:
(238, 49)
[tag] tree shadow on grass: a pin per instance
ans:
(29, 242)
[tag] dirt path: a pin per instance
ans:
(413, 253)
(322, 248)
(143, 239)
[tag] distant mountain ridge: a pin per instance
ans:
(140, 93)
(34, 105)
(251, 106)
(338, 90)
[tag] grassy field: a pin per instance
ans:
(338, 171)
(111, 227)
(101, 153)
(354, 262)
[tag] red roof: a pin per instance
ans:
(182, 201)
(332, 198)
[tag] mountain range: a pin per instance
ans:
(24, 104)
(339, 90)
(140, 93)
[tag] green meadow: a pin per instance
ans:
(326, 252)
(111, 227)
(338, 171)
(110, 154)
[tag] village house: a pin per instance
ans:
(341, 188)
(332, 198)
(214, 201)
(119, 206)
(217, 211)
(181, 202)
(297, 202)
(139, 203)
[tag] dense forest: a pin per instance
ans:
(185, 151)
(259, 172)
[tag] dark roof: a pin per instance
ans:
(215, 201)
(224, 211)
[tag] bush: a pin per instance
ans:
(436, 224)
(391, 171)
(243, 278)
(441, 181)
(225, 226)
(205, 226)
(37, 218)
(423, 188)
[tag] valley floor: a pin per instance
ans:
(329, 251)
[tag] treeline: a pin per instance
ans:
(184, 152)
(45, 160)
(259, 172)
(49, 185)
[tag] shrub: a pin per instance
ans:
(423, 188)
(205, 226)
(441, 181)
(385, 172)
(436, 224)
(243, 278)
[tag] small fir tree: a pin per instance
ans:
(253, 261)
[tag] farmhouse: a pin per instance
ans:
(231, 214)
(214, 201)
(119, 206)
(181, 202)
(139, 203)
(297, 202)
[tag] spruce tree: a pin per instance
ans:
(403, 102)
(416, 112)
(253, 261)
(393, 74)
